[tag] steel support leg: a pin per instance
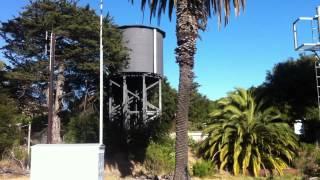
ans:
(144, 98)
(160, 96)
(110, 100)
(124, 102)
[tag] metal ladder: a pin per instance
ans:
(317, 70)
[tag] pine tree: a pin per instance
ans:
(77, 53)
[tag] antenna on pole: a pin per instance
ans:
(50, 99)
(101, 77)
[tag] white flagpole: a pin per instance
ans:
(101, 77)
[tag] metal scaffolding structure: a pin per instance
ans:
(134, 97)
(312, 46)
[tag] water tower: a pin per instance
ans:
(135, 92)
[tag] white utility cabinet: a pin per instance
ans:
(67, 162)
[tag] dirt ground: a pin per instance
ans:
(115, 177)
(117, 167)
(120, 168)
(10, 177)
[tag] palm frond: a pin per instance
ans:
(249, 135)
(219, 8)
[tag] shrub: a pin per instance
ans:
(9, 133)
(308, 160)
(202, 168)
(82, 129)
(17, 155)
(192, 143)
(160, 158)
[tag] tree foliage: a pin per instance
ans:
(291, 86)
(77, 49)
(83, 128)
(200, 107)
(77, 31)
(9, 116)
(8, 120)
(247, 135)
(219, 8)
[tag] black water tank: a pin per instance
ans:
(146, 49)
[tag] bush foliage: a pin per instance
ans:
(308, 160)
(203, 168)
(83, 128)
(160, 157)
(8, 120)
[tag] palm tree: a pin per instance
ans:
(247, 136)
(191, 16)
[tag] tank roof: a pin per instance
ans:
(143, 26)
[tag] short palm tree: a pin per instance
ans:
(245, 136)
(191, 16)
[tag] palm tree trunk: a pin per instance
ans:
(186, 32)
(56, 121)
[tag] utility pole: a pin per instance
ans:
(101, 77)
(51, 83)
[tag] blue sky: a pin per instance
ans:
(236, 56)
